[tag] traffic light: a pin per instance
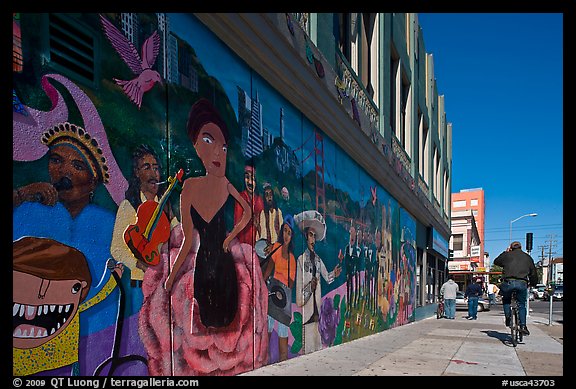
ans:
(529, 241)
(450, 254)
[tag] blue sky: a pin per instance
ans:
(501, 75)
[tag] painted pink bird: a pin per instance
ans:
(146, 77)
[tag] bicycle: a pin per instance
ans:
(515, 332)
(440, 309)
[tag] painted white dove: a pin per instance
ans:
(146, 77)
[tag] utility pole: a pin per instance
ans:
(548, 287)
(542, 257)
(551, 242)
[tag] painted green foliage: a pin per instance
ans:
(296, 329)
(341, 304)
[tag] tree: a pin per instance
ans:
(495, 278)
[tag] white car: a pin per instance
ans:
(538, 291)
(462, 304)
(558, 293)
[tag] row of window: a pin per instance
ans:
(462, 203)
(357, 38)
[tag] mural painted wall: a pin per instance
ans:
(175, 215)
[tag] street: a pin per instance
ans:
(541, 308)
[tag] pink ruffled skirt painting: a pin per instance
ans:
(176, 340)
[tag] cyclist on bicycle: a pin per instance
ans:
(519, 272)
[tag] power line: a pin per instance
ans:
(506, 239)
(531, 227)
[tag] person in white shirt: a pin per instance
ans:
(492, 292)
(448, 291)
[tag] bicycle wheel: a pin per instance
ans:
(514, 327)
(520, 334)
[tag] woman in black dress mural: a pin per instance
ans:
(203, 203)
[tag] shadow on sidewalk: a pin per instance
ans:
(503, 337)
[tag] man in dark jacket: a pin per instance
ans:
(473, 293)
(518, 273)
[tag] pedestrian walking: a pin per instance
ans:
(448, 292)
(473, 292)
(492, 292)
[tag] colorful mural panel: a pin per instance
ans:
(201, 224)
(272, 145)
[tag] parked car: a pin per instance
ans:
(558, 293)
(538, 291)
(462, 304)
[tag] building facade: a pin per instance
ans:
(467, 240)
(472, 200)
(553, 274)
(463, 243)
(339, 115)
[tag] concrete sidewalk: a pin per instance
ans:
(438, 347)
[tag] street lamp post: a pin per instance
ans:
(515, 220)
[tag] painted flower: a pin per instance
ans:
(178, 343)
(329, 319)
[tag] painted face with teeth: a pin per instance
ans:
(50, 281)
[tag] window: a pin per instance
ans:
(394, 88)
(436, 178)
(459, 204)
(184, 58)
(424, 145)
(128, 20)
(446, 191)
(457, 242)
(408, 33)
(72, 47)
(404, 127)
(367, 33)
(342, 30)
(375, 48)
(400, 105)
(368, 67)
(346, 35)
(474, 202)
(429, 80)
(422, 135)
